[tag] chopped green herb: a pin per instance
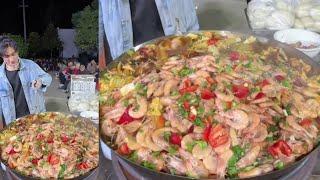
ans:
(133, 157)
(63, 168)
(228, 69)
(202, 144)
(286, 83)
(248, 168)
(183, 112)
(174, 93)
(185, 71)
(273, 128)
(232, 171)
(110, 101)
(141, 89)
(288, 109)
(148, 165)
(195, 100)
(198, 122)
(167, 135)
(190, 146)
(200, 111)
(279, 165)
(276, 119)
(238, 151)
(172, 150)
(255, 90)
(212, 112)
(125, 102)
(234, 104)
(156, 154)
(248, 65)
(269, 138)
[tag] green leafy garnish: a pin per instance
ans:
(156, 154)
(276, 119)
(172, 150)
(228, 69)
(202, 144)
(279, 165)
(190, 145)
(200, 111)
(269, 139)
(232, 169)
(141, 89)
(288, 109)
(174, 93)
(133, 157)
(110, 101)
(198, 122)
(273, 128)
(286, 83)
(63, 168)
(148, 165)
(185, 71)
(125, 102)
(167, 135)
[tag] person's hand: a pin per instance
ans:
(37, 84)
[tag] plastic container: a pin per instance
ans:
(306, 37)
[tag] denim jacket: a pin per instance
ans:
(29, 71)
(116, 17)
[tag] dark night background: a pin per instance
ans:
(39, 14)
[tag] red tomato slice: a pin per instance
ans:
(240, 91)
(280, 147)
(188, 89)
(260, 95)
(207, 94)
(53, 159)
(218, 136)
(124, 149)
(175, 139)
(50, 140)
(11, 152)
(192, 117)
(35, 161)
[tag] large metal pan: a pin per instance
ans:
(276, 174)
(19, 175)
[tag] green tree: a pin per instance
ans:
(22, 46)
(50, 40)
(34, 42)
(86, 27)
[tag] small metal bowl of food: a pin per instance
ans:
(306, 41)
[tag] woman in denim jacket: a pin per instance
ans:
(22, 84)
(131, 22)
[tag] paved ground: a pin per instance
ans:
(56, 99)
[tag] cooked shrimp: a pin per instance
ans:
(223, 148)
(211, 163)
(251, 173)
(237, 119)
(186, 140)
(222, 162)
(132, 126)
(224, 97)
(115, 113)
(250, 157)
(266, 168)
(160, 89)
(177, 164)
(194, 166)
(150, 144)
(142, 106)
(260, 134)
(233, 136)
(200, 152)
(157, 137)
(261, 100)
(167, 100)
(270, 90)
(294, 124)
(172, 83)
(254, 121)
(151, 88)
(132, 143)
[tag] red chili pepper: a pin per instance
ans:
(82, 165)
(279, 77)
(213, 41)
(280, 147)
(207, 94)
(260, 95)
(186, 105)
(187, 83)
(191, 129)
(125, 118)
(124, 149)
(206, 132)
(305, 122)
(240, 91)
(234, 55)
(175, 139)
